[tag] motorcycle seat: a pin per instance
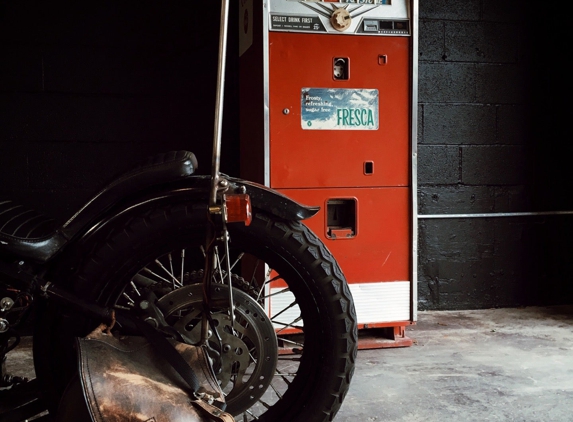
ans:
(28, 234)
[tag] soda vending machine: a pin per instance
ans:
(328, 95)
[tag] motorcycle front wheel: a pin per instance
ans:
(276, 264)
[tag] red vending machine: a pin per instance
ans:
(328, 117)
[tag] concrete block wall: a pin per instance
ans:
(489, 143)
(88, 89)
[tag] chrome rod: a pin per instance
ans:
(216, 157)
(229, 278)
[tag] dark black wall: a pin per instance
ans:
(88, 88)
(493, 139)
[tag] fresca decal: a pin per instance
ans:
(339, 109)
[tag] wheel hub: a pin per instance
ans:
(248, 351)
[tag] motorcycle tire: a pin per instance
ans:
(326, 357)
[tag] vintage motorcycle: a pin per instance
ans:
(195, 257)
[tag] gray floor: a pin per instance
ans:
(489, 365)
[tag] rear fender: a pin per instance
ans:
(273, 202)
(195, 189)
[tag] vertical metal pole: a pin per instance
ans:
(216, 157)
(215, 165)
(266, 97)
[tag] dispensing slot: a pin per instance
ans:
(341, 218)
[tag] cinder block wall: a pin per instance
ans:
(87, 89)
(491, 142)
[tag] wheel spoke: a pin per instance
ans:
(286, 358)
(134, 288)
(171, 264)
(286, 340)
(252, 281)
(182, 264)
(280, 292)
(237, 260)
(157, 275)
(292, 305)
(278, 277)
(218, 267)
(173, 278)
(288, 325)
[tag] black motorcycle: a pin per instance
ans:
(193, 256)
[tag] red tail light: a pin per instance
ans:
(238, 208)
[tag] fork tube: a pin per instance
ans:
(216, 158)
(229, 279)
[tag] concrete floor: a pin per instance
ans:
(487, 365)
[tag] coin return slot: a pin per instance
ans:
(371, 26)
(341, 218)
